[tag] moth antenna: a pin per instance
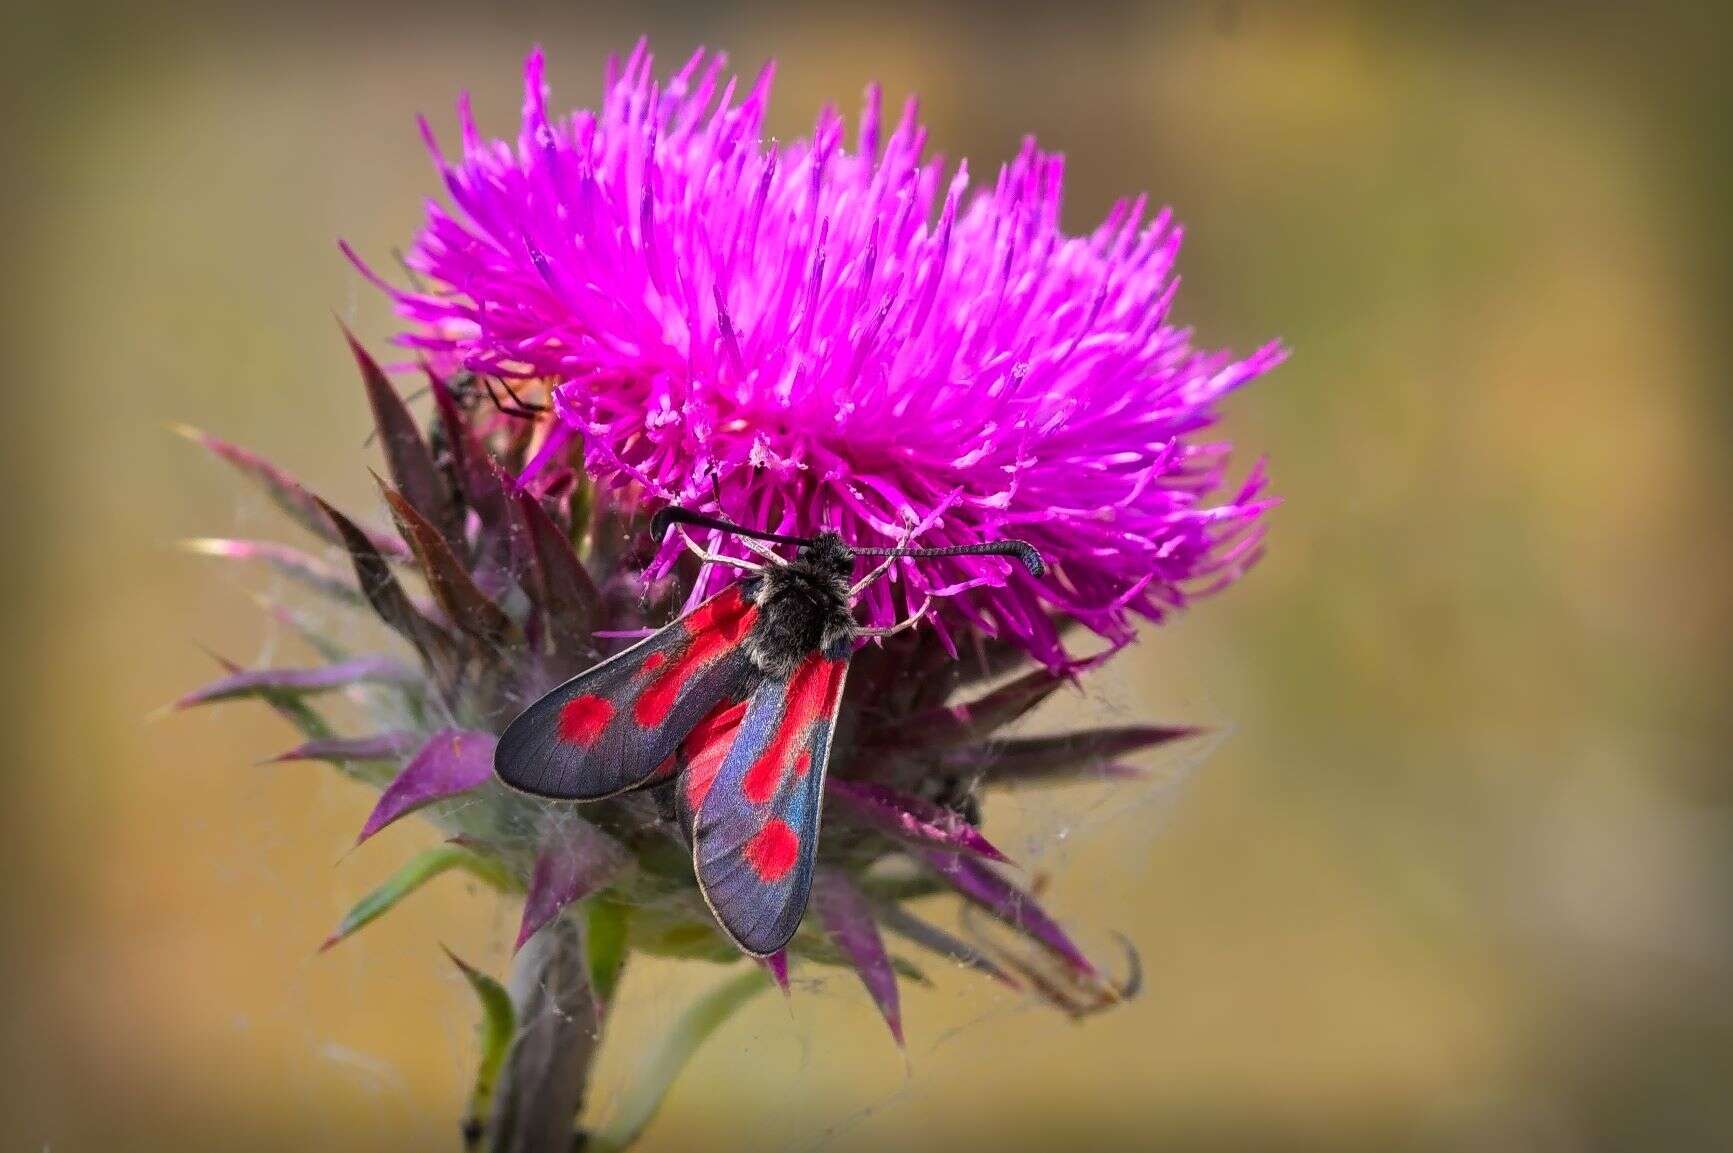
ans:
(671, 515)
(1022, 550)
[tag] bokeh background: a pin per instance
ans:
(1460, 876)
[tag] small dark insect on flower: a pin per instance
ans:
(467, 391)
(739, 700)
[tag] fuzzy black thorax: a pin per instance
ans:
(803, 607)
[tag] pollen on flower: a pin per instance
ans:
(822, 332)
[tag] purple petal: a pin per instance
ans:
(380, 747)
(849, 920)
(453, 761)
(840, 338)
(577, 859)
(986, 888)
(909, 818)
(319, 679)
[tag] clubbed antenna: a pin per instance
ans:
(673, 515)
(1022, 550)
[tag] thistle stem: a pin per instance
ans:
(546, 1072)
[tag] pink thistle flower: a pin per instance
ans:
(846, 338)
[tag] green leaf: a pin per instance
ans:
(498, 1025)
(605, 947)
(419, 870)
(643, 1096)
(681, 941)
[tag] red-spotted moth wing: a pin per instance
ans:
(754, 809)
(615, 727)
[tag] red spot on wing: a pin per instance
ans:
(655, 661)
(811, 695)
(712, 629)
(773, 850)
(803, 762)
(583, 719)
(704, 750)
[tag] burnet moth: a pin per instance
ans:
(738, 700)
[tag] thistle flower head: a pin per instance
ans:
(797, 336)
(496, 596)
(820, 333)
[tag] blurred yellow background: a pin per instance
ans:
(1461, 874)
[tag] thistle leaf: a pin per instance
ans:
(502, 521)
(576, 860)
(936, 940)
(419, 870)
(380, 747)
(277, 683)
(485, 489)
(983, 887)
(498, 1024)
(462, 602)
(908, 818)
(1064, 757)
(406, 454)
(459, 444)
(290, 706)
(680, 941)
(567, 596)
(848, 918)
(976, 719)
(287, 493)
(452, 762)
(605, 936)
(379, 585)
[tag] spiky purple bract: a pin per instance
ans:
(847, 338)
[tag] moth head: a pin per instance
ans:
(828, 553)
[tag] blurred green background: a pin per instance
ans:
(1461, 874)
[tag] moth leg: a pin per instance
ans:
(764, 551)
(860, 586)
(893, 630)
(698, 551)
(518, 407)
